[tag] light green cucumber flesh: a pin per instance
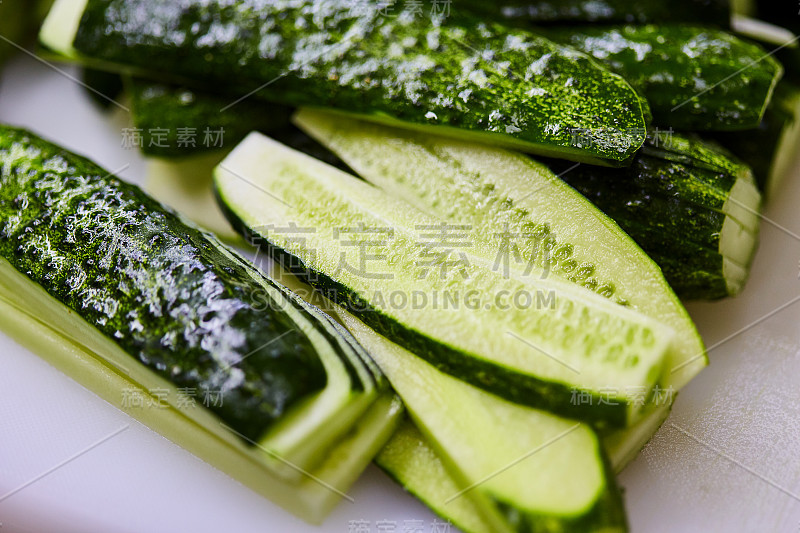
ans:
(306, 497)
(414, 464)
(186, 185)
(580, 342)
(498, 193)
(411, 462)
(562, 483)
(301, 437)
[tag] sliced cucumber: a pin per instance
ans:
(415, 465)
(525, 470)
(499, 85)
(564, 340)
(499, 193)
(412, 463)
(311, 498)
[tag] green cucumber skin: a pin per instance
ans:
(173, 108)
(462, 74)
(163, 291)
(524, 390)
(693, 67)
(604, 11)
(670, 207)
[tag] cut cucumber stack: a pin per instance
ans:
(123, 292)
(556, 340)
(690, 75)
(504, 86)
(463, 474)
(513, 203)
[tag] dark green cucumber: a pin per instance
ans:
(602, 11)
(318, 221)
(695, 78)
(98, 260)
(177, 121)
(772, 149)
(690, 205)
(459, 76)
(563, 485)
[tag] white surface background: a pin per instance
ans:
(728, 459)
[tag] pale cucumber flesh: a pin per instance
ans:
(582, 341)
(479, 436)
(504, 196)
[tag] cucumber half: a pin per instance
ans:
(565, 341)
(500, 194)
(506, 86)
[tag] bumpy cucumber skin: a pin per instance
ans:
(163, 291)
(693, 77)
(463, 74)
(173, 109)
(522, 389)
(669, 203)
(604, 11)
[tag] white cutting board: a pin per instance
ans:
(727, 460)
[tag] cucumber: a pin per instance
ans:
(772, 149)
(177, 121)
(501, 194)
(98, 261)
(693, 77)
(310, 498)
(458, 76)
(602, 11)
(414, 464)
(522, 469)
(691, 206)
(557, 340)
